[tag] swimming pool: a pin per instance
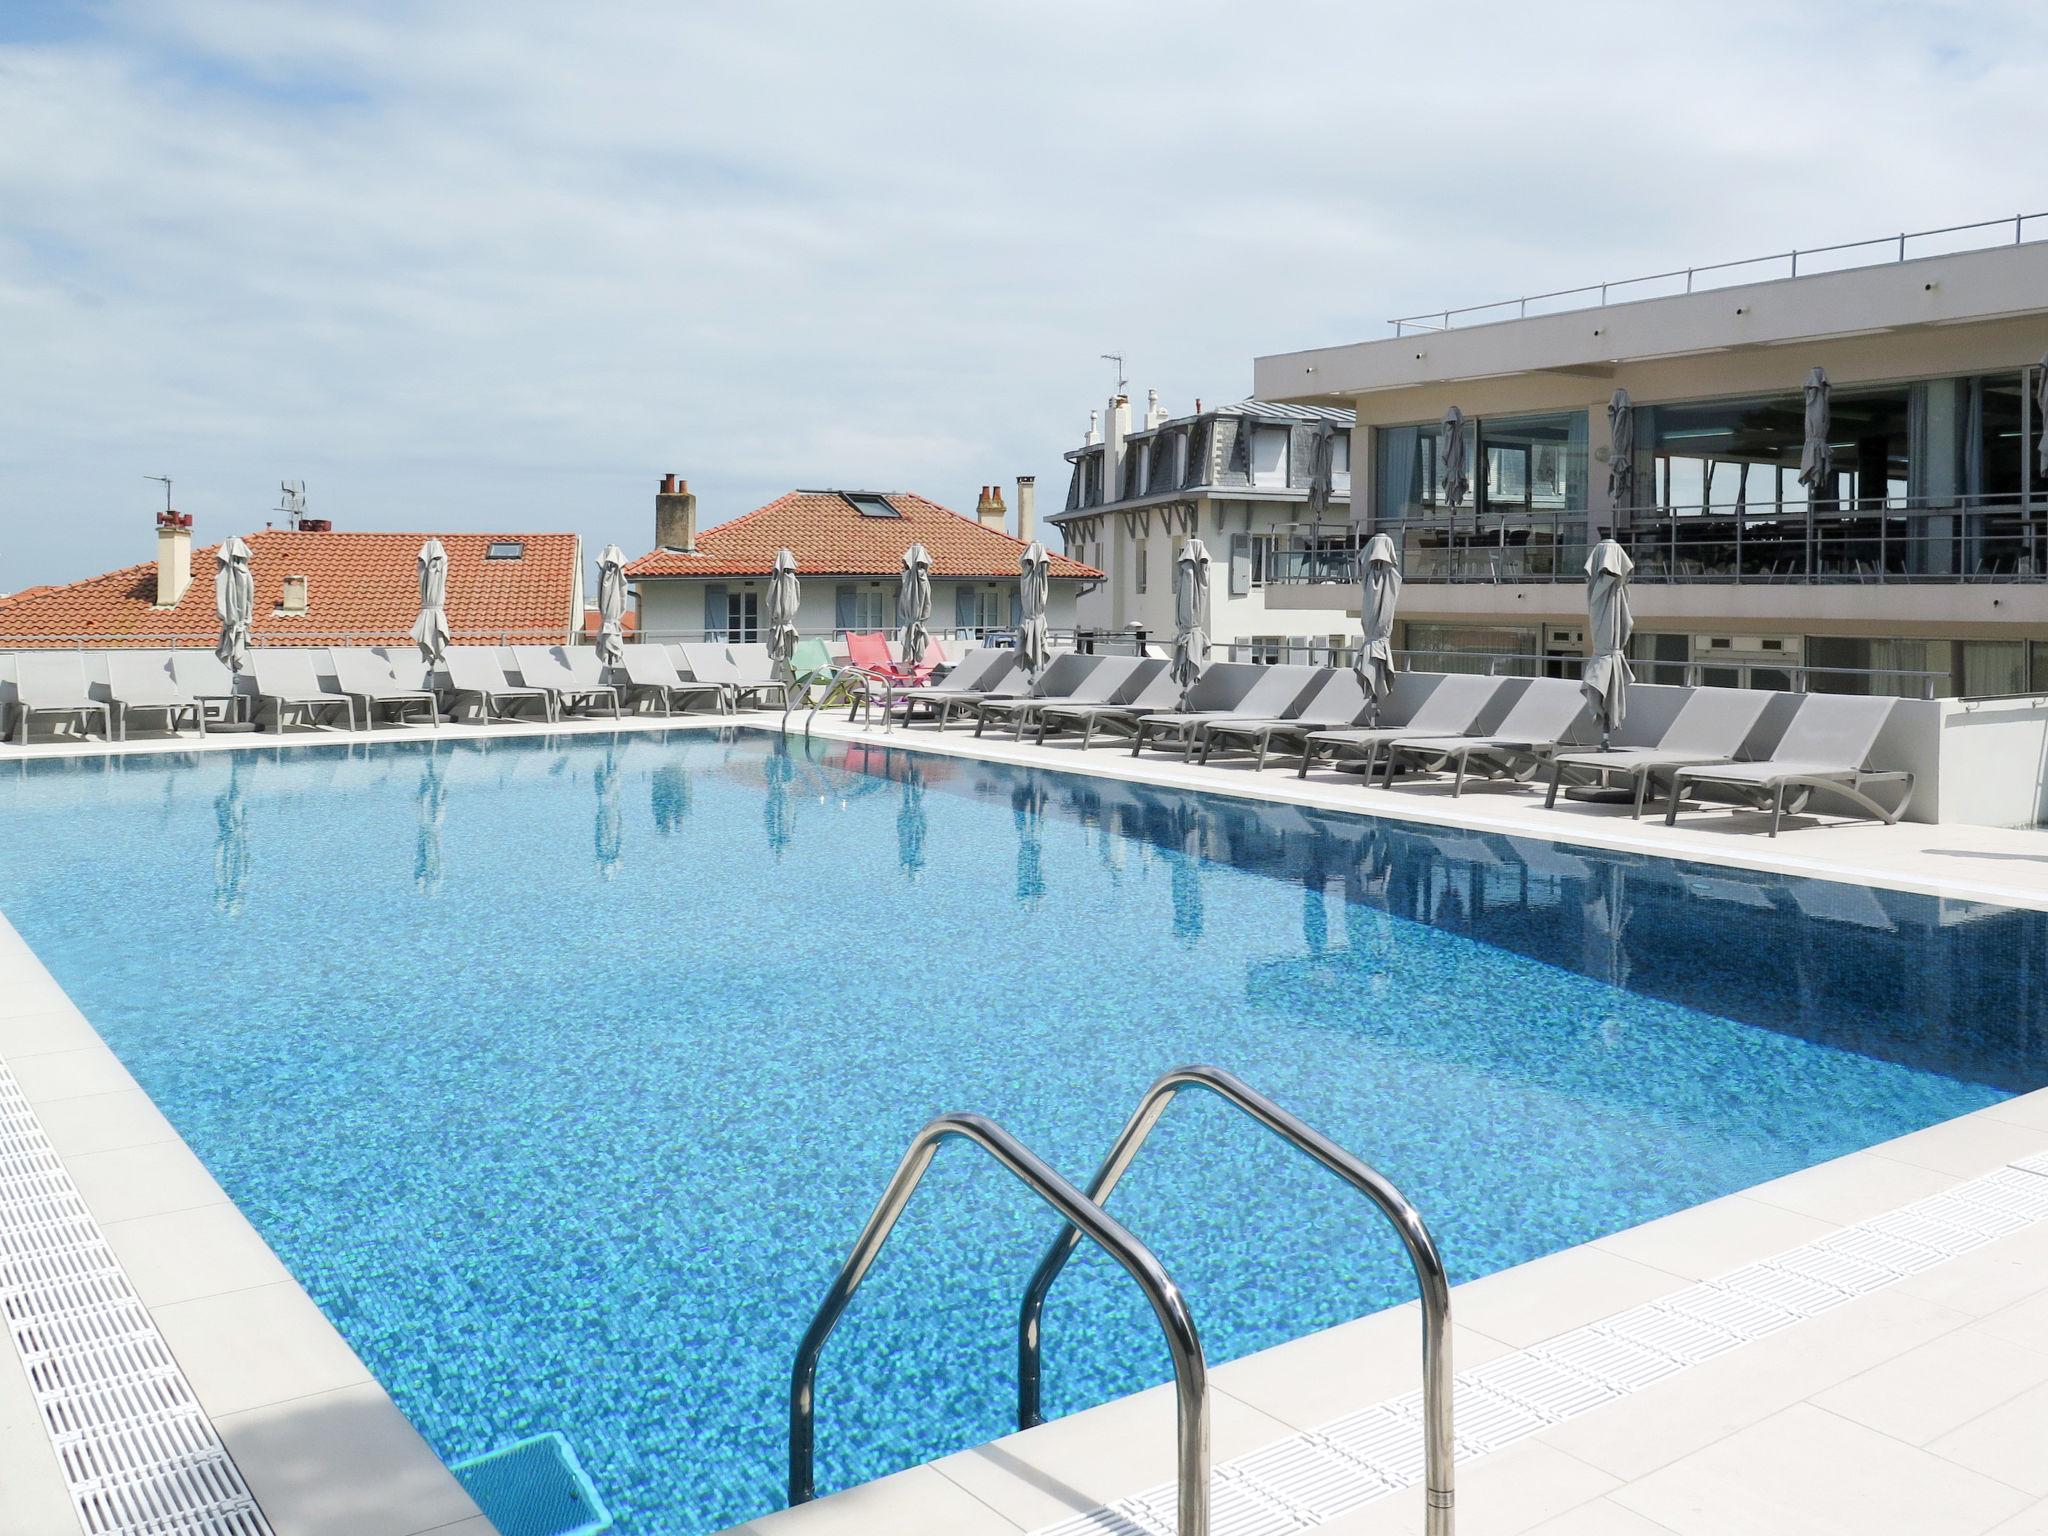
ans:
(562, 1072)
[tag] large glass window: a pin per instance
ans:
(1524, 513)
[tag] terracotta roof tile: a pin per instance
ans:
(829, 538)
(361, 586)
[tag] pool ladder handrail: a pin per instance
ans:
(1083, 1217)
(1439, 1449)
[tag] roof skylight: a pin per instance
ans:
(869, 505)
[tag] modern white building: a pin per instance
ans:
(1912, 561)
(1243, 479)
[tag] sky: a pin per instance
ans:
(498, 265)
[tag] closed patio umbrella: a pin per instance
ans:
(1322, 468)
(914, 604)
(1453, 478)
(234, 603)
(2041, 416)
(1190, 607)
(1034, 576)
(430, 629)
(1816, 458)
(784, 593)
(1606, 679)
(611, 606)
(1382, 592)
(1621, 451)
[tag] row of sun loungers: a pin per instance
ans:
(356, 688)
(1463, 726)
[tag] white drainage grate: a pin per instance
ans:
(139, 1454)
(1300, 1483)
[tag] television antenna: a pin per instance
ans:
(165, 482)
(1118, 359)
(292, 501)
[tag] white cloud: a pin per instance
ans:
(475, 265)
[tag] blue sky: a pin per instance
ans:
(500, 265)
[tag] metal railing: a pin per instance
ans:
(279, 635)
(1430, 1277)
(1876, 540)
(1797, 676)
(1084, 1217)
(1894, 248)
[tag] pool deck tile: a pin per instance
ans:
(1718, 1236)
(123, 1183)
(1943, 1384)
(1600, 1517)
(48, 1076)
(59, 1029)
(1558, 1292)
(104, 1122)
(1073, 1464)
(1808, 1471)
(343, 1463)
(1505, 1494)
(254, 1348)
(1307, 1382)
(1965, 1145)
(1849, 1189)
(919, 1502)
(182, 1255)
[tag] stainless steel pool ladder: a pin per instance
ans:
(1438, 1447)
(1083, 1218)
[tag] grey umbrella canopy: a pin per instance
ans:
(1621, 449)
(611, 606)
(1034, 579)
(1382, 594)
(430, 629)
(1816, 458)
(234, 602)
(1606, 679)
(914, 604)
(784, 594)
(1190, 608)
(2041, 415)
(1452, 473)
(1322, 466)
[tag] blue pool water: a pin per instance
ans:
(563, 1072)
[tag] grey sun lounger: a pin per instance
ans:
(651, 675)
(53, 683)
(1825, 747)
(287, 685)
(1070, 679)
(545, 666)
(1420, 704)
(474, 671)
(1338, 700)
(1710, 727)
(1538, 723)
(756, 669)
(712, 663)
(1274, 693)
(367, 675)
(1150, 691)
(141, 680)
(208, 679)
(987, 672)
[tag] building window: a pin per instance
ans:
(871, 506)
(862, 608)
(1269, 456)
(1511, 652)
(1138, 567)
(505, 549)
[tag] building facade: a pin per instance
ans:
(1243, 479)
(1909, 560)
(849, 546)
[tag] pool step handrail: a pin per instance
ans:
(1439, 1450)
(1083, 1217)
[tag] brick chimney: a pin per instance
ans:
(173, 557)
(1027, 507)
(675, 516)
(990, 511)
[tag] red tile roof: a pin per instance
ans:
(593, 623)
(360, 586)
(829, 538)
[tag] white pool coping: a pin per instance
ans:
(328, 1454)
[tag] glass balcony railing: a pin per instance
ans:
(1872, 540)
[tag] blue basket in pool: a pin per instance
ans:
(534, 1488)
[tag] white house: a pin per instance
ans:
(713, 584)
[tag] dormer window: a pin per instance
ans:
(868, 505)
(506, 549)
